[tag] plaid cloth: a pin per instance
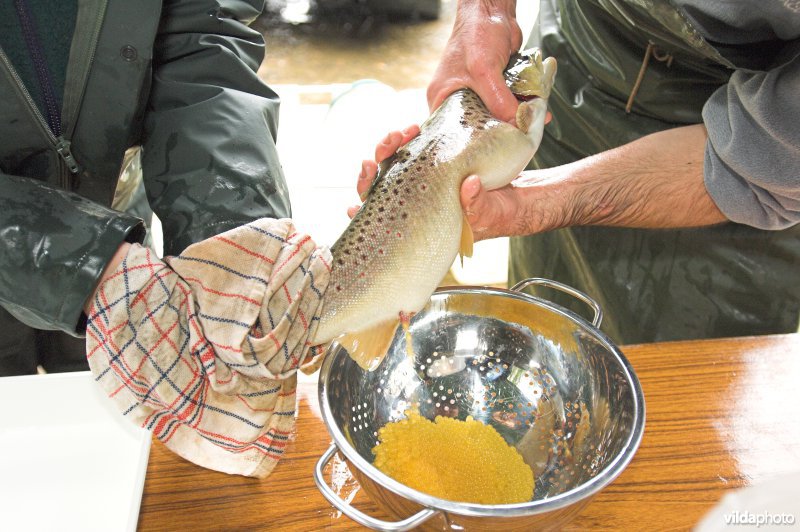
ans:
(203, 348)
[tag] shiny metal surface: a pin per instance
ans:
(552, 384)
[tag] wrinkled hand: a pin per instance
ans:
(483, 39)
(505, 211)
(501, 212)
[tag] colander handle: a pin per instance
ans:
(356, 515)
(598, 312)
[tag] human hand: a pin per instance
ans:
(501, 212)
(526, 206)
(489, 213)
(385, 149)
(483, 39)
(654, 182)
(208, 342)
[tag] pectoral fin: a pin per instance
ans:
(369, 346)
(467, 239)
(530, 119)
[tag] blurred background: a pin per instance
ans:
(312, 43)
(348, 72)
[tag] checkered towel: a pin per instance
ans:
(203, 348)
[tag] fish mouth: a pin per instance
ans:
(528, 75)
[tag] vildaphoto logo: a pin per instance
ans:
(759, 519)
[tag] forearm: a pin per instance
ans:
(653, 182)
(108, 271)
(210, 161)
(54, 247)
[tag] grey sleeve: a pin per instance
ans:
(752, 158)
(210, 161)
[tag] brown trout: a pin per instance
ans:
(408, 232)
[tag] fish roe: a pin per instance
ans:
(462, 461)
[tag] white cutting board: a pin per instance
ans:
(68, 459)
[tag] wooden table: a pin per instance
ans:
(721, 414)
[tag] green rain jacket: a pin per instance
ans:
(732, 279)
(178, 79)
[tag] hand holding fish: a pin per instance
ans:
(485, 35)
(403, 240)
(490, 213)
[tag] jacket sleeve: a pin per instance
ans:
(209, 158)
(53, 248)
(752, 163)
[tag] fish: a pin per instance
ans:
(410, 228)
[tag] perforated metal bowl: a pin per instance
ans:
(550, 382)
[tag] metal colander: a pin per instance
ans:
(551, 384)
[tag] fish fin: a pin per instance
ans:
(405, 323)
(369, 346)
(467, 239)
(530, 119)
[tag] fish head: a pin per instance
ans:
(529, 76)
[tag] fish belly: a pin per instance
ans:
(406, 236)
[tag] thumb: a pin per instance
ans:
(499, 99)
(474, 203)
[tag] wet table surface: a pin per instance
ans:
(721, 414)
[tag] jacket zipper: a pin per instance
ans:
(40, 65)
(59, 143)
(69, 167)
